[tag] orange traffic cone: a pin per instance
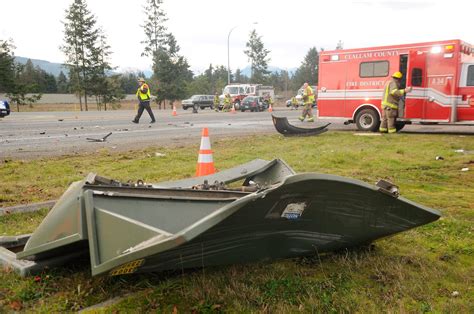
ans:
(233, 109)
(174, 111)
(270, 109)
(205, 164)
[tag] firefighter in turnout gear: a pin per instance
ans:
(143, 95)
(308, 99)
(227, 102)
(216, 102)
(391, 96)
(294, 103)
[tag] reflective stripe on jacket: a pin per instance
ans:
(308, 91)
(392, 95)
(143, 92)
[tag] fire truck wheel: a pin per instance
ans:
(367, 120)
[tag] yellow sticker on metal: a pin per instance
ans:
(128, 268)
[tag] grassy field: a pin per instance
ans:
(429, 269)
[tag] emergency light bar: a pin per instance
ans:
(436, 49)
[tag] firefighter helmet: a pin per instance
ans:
(397, 75)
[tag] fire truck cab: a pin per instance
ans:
(441, 74)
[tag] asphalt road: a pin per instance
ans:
(32, 134)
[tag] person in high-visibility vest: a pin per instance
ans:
(270, 101)
(391, 96)
(227, 103)
(308, 99)
(143, 95)
(216, 102)
(294, 103)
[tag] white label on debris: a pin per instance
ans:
(293, 210)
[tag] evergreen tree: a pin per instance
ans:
(10, 78)
(50, 83)
(80, 35)
(258, 56)
(308, 70)
(128, 82)
(7, 66)
(240, 78)
(62, 83)
(106, 90)
(171, 71)
(154, 28)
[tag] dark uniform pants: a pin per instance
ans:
(144, 105)
(389, 116)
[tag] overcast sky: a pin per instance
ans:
(288, 28)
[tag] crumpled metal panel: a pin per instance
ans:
(284, 127)
(144, 229)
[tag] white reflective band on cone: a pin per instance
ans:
(205, 143)
(205, 158)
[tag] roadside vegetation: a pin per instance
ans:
(428, 269)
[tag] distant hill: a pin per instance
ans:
(49, 67)
(56, 68)
(247, 70)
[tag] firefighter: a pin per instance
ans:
(270, 101)
(216, 102)
(308, 99)
(143, 95)
(227, 102)
(391, 96)
(294, 103)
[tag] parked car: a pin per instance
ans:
(4, 108)
(199, 101)
(253, 103)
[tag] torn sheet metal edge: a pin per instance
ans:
(284, 127)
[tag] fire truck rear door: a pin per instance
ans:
(416, 78)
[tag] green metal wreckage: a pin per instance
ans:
(191, 223)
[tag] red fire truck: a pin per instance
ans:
(441, 73)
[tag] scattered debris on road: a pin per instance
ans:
(284, 127)
(99, 139)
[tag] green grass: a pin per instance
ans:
(415, 271)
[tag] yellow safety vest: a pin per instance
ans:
(308, 91)
(144, 96)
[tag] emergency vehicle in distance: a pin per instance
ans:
(239, 91)
(351, 83)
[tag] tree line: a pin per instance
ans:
(90, 74)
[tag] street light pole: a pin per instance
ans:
(228, 53)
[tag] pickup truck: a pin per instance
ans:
(4, 108)
(198, 101)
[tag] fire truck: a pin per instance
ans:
(239, 91)
(441, 73)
